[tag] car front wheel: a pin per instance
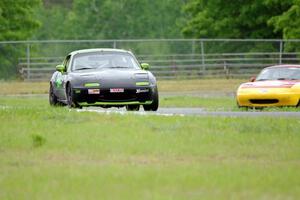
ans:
(155, 102)
(52, 97)
(70, 98)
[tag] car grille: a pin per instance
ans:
(264, 101)
(106, 96)
(127, 95)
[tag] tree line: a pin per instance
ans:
(143, 19)
(123, 19)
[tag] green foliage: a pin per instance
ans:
(289, 24)
(112, 19)
(108, 19)
(243, 19)
(136, 19)
(289, 21)
(233, 19)
(53, 23)
(17, 22)
(17, 19)
(9, 55)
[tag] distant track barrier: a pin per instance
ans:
(168, 58)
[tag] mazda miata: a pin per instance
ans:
(103, 77)
(275, 86)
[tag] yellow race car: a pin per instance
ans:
(275, 86)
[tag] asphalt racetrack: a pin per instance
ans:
(168, 111)
(191, 111)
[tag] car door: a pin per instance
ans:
(61, 79)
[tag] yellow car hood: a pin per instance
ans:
(270, 84)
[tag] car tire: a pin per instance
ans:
(52, 97)
(70, 98)
(246, 108)
(155, 102)
(133, 107)
(298, 104)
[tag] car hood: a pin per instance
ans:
(270, 84)
(110, 77)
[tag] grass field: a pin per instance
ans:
(209, 103)
(212, 103)
(57, 153)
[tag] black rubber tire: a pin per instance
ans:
(258, 108)
(133, 107)
(298, 104)
(155, 103)
(70, 98)
(246, 108)
(52, 97)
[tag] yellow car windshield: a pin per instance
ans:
(279, 73)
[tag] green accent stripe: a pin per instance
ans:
(142, 83)
(116, 103)
(91, 84)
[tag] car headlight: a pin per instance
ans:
(91, 84)
(141, 76)
(142, 83)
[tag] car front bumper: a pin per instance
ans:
(130, 96)
(267, 97)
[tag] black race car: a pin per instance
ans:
(103, 77)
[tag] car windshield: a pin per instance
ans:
(279, 73)
(98, 60)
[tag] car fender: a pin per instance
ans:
(152, 79)
(296, 89)
(53, 77)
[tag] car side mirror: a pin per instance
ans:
(252, 79)
(145, 66)
(60, 68)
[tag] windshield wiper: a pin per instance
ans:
(288, 79)
(282, 79)
(118, 67)
(263, 79)
(83, 68)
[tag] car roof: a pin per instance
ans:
(284, 66)
(98, 50)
